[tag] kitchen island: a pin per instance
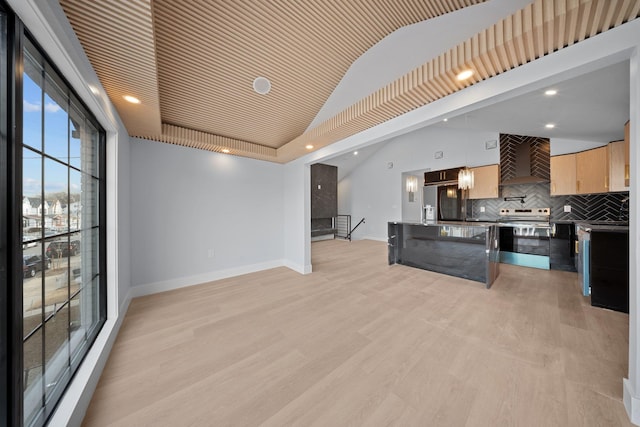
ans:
(461, 249)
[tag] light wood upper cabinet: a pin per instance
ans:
(618, 167)
(486, 180)
(592, 171)
(563, 174)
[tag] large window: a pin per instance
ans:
(52, 246)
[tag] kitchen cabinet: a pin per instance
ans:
(609, 269)
(562, 246)
(592, 171)
(563, 174)
(618, 167)
(435, 177)
(486, 180)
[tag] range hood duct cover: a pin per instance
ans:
(524, 160)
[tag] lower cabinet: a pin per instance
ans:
(562, 247)
(609, 273)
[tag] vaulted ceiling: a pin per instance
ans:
(192, 63)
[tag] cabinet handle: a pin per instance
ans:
(576, 247)
(606, 181)
(578, 185)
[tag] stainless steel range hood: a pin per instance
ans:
(519, 163)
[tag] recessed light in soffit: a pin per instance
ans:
(131, 99)
(261, 85)
(464, 75)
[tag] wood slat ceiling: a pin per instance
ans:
(192, 63)
(118, 39)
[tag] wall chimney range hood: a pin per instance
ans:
(524, 160)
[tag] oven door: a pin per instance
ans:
(531, 240)
(525, 245)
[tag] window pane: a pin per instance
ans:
(33, 267)
(83, 318)
(56, 210)
(76, 125)
(32, 103)
(90, 151)
(56, 348)
(84, 139)
(56, 122)
(32, 376)
(63, 254)
(32, 219)
(74, 208)
(88, 198)
(95, 251)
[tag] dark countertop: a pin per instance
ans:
(603, 226)
(447, 223)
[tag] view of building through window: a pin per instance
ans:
(61, 235)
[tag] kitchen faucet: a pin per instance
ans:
(624, 208)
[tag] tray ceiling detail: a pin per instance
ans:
(192, 64)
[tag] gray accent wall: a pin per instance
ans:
(324, 191)
(324, 196)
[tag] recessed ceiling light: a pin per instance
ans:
(549, 125)
(445, 120)
(261, 85)
(226, 150)
(131, 99)
(550, 92)
(309, 147)
(355, 153)
(464, 75)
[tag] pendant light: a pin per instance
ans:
(465, 179)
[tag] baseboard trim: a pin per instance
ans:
(378, 239)
(183, 282)
(298, 268)
(631, 402)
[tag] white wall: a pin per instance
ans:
(297, 216)
(411, 211)
(565, 146)
(199, 216)
(376, 190)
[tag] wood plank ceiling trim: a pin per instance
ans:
(117, 37)
(132, 48)
(537, 30)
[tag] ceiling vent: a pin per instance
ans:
(262, 85)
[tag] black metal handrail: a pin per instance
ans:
(354, 228)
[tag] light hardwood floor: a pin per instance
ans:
(359, 342)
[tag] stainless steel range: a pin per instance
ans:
(536, 215)
(524, 237)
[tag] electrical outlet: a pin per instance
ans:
(567, 208)
(482, 209)
(210, 253)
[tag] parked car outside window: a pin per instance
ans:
(31, 264)
(62, 249)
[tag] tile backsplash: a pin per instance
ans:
(595, 207)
